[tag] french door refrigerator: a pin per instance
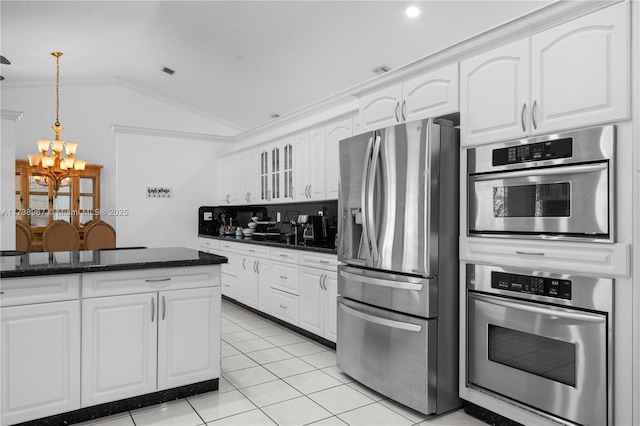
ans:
(398, 242)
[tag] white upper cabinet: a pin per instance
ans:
(428, 95)
(224, 197)
(494, 91)
(335, 132)
(576, 74)
(310, 167)
(580, 71)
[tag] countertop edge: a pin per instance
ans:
(233, 239)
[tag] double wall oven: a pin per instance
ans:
(542, 340)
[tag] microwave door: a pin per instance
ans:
(568, 200)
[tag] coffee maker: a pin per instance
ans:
(315, 231)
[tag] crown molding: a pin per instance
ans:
(11, 115)
(117, 128)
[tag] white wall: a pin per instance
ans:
(87, 113)
(187, 167)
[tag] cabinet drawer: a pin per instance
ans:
(29, 290)
(284, 276)
(255, 251)
(207, 244)
(284, 306)
(233, 265)
(603, 260)
(230, 246)
(284, 255)
(149, 280)
(319, 260)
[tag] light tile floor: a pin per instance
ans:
(274, 376)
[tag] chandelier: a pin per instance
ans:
(49, 166)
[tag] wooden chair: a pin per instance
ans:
(61, 236)
(99, 235)
(24, 236)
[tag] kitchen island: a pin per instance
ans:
(92, 333)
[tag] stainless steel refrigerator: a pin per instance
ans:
(398, 242)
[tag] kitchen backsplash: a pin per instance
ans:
(241, 215)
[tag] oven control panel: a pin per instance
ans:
(540, 286)
(548, 150)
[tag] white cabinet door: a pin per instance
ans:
(316, 164)
(188, 336)
(331, 306)
(580, 71)
(430, 95)
(284, 277)
(263, 270)
(40, 360)
(494, 94)
(228, 285)
(335, 132)
(247, 282)
(119, 347)
(381, 109)
(223, 182)
(235, 178)
(301, 149)
(275, 180)
(265, 174)
(312, 300)
(252, 168)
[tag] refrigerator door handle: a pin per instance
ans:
(370, 191)
(381, 282)
(381, 321)
(363, 202)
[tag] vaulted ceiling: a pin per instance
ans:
(235, 61)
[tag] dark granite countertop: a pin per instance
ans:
(271, 243)
(73, 262)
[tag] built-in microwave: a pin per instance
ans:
(558, 186)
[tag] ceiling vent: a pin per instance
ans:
(168, 70)
(274, 115)
(381, 69)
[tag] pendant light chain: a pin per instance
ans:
(57, 55)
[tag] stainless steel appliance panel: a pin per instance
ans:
(553, 359)
(560, 200)
(411, 295)
(542, 340)
(382, 173)
(391, 353)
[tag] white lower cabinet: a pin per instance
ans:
(142, 343)
(40, 360)
(284, 306)
(263, 270)
(119, 347)
(318, 299)
(188, 336)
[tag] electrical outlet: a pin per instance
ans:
(320, 213)
(278, 217)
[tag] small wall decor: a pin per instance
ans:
(158, 192)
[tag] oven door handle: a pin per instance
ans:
(582, 316)
(382, 321)
(381, 282)
(552, 171)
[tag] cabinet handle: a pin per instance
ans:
(153, 308)
(533, 114)
(283, 307)
(283, 277)
(524, 108)
(403, 110)
(157, 280)
(310, 191)
(396, 111)
(164, 307)
(284, 255)
(254, 266)
(244, 261)
(258, 266)
(324, 261)
(530, 253)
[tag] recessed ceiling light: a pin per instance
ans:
(412, 11)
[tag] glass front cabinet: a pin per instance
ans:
(77, 203)
(276, 172)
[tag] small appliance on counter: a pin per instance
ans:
(315, 230)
